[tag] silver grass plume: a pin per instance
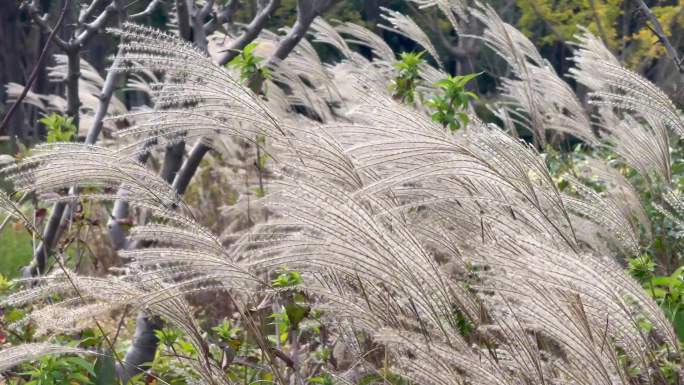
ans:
(450, 8)
(60, 166)
(523, 102)
(536, 97)
(306, 81)
(673, 208)
(605, 211)
(353, 207)
(645, 145)
(639, 134)
(600, 283)
(618, 189)
(196, 98)
(589, 49)
(504, 39)
(405, 26)
(13, 356)
(626, 90)
(323, 32)
(363, 36)
(12, 209)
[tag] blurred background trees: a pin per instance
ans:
(549, 24)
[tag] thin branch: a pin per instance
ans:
(657, 28)
(223, 16)
(251, 32)
(41, 21)
(98, 24)
(151, 7)
(599, 25)
(307, 11)
(105, 97)
(187, 171)
(89, 11)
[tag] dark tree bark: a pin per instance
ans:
(251, 32)
(225, 15)
(307, 11)
(143, 348)
(73, 76)
(15, 55)
(187, 171)
(183, 17)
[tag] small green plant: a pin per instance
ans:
(253, 74)
(59, 128)
(453, 98)
(249, 65)
(295, 308)
(168, 336)
(287, 279)
(325, 379)
(52, 370)
(403, 86)
(667, 291)
(641, 267)
(5, 284)
(229, 334)
(463, 324)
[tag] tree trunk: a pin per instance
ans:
(73, 76)
(14, 56)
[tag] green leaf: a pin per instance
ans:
(464, 79)
(641, 267)
(14, 315)
(81, 363)
(249, 48)
(678, 323)
(84, 379)
(287, 279)
(59, 128)
(295, 314)
(322, 380)
(105, 370)
(370, 379)
(259, 192)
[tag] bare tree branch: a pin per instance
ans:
(660, 32)
(151, 7)
(90, 10)
(90, 29)
(105, 97)
(183, 16)
(223, 16)
(143, 347)
(251, 31)
(307, 11)
(41, 21)
(197, 17)
(187, 171)
(72, 79)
